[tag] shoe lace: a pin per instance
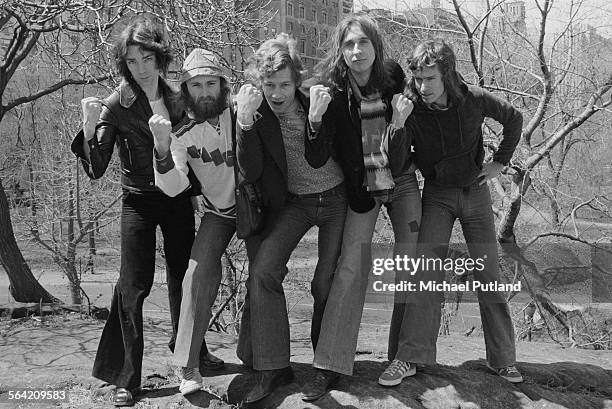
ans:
(510, 370)
(188, 373)
(397, 366)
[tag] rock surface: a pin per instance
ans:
(59, 353)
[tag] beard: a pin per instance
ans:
(206, 107)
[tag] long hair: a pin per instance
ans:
(147, 33)
(274, 55)
(437, 52)
(332, 69)
(396, 76)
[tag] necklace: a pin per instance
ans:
(217, 126)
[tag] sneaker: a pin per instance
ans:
(509, 373)
(191, 380)
(123, 397)
(395, 372)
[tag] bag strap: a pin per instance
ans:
(233, 119)
(256, 191)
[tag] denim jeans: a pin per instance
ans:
(200, 286)
(269, 320)
(340, 325)
(244, 349)
(119, 357)
(420, 321)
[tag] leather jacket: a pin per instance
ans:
(124, 122)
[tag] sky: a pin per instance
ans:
(597, 13)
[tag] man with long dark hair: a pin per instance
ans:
(446, 129)
(142, 56)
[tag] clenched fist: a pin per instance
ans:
(92, 108)
(490, 170)
(402, 107)
(249, 98)
(160, 128)
(319, 101)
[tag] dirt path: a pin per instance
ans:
(58, 352)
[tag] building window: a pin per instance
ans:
(303, 46)
(314, 15)
(290, 27)
(289, 9)
(302, 29)
(314, 31)
(302, 12)
(324, 17)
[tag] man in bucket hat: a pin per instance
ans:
(202, 141)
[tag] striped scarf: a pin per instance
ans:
(378, 179)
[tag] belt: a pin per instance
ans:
(474, 185)
(466, 188)
(334, 191)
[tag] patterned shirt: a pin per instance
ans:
(303, 178)
(208, 151)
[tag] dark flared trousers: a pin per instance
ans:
(119, 357)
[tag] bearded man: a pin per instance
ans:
(203, 140)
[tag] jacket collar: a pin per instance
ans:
(128, 92)
(302, 97)
(274, 138)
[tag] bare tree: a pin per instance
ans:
(70, 41)
(562, 82)
(26, 28)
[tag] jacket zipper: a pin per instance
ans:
(127, 147)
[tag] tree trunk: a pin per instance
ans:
(74, 282)
(71, 271)
(232, 285)
(23, 286)
(554, 209)
(92, 249)
(33, 202)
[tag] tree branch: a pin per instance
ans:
(51, 89)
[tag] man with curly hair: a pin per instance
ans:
(300, 189)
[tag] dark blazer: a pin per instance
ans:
(261, 155)
(124, 122)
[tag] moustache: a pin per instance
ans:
(206, 100)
